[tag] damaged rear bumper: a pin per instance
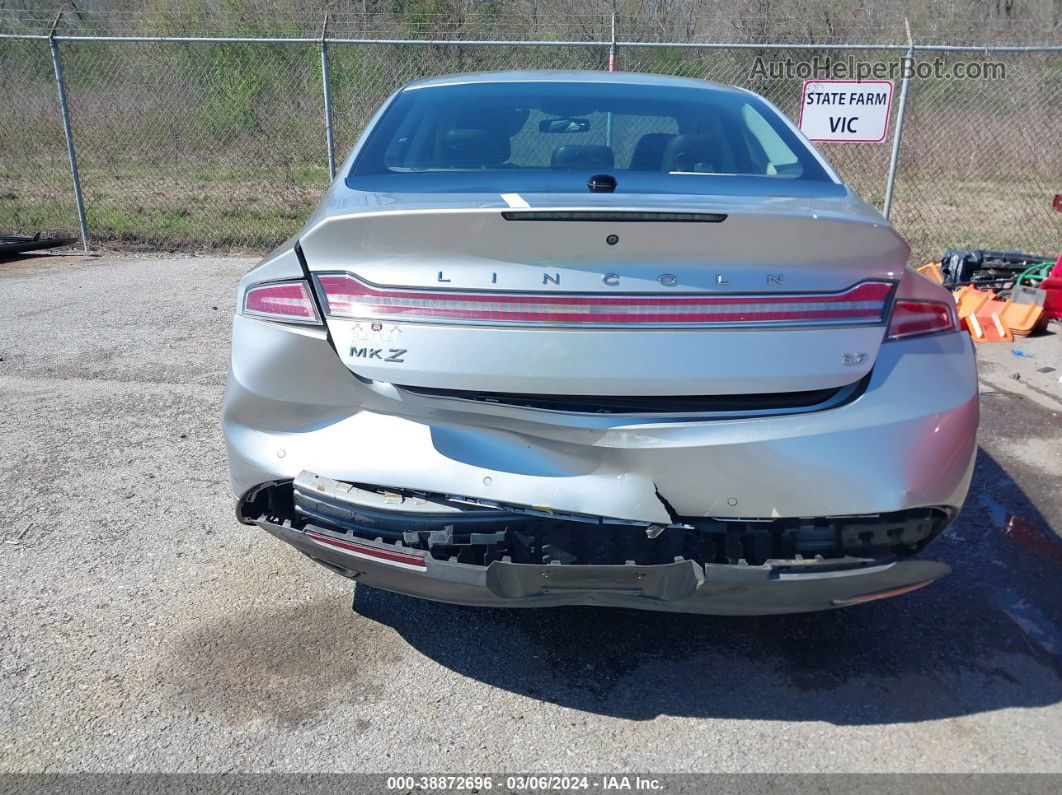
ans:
(429, 546)
(682, 586)
(775, 513)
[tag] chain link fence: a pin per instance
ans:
(186, 142)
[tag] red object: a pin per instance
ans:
(911, 318)
(1057, 204)
(365, 551)
(870, 597)
(283, 301)
(348, 297)
(1033, 537)
(1052, 285)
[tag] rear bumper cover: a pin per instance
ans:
(907, 442)
(682, 586)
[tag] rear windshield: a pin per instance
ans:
(538, 127)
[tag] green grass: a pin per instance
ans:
(222, 146)
(1000, 215)
(193, 206)
(238, 208)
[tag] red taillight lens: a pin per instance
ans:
(911, 318)
(289, 301)
(346, 296)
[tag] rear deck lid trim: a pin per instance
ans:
(614, 216)
(347, 296)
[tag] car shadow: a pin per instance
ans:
(985, 638)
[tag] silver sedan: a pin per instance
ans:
(595, 338)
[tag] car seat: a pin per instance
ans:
(582, 156)
(648, 154)
(699, 153)
(470, 148)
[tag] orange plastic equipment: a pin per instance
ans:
(932, 271)
(989, 320)
(987, 324)
(969, 299)
(1021, 319)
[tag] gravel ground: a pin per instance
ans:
(143, 629)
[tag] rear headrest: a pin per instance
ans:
(507, 121)
(468, 148)
(707, 154)
(648, 154)
(582, 156)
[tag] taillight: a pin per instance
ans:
(911, 318)
(290, 301)
(347, 296)
(922, 306)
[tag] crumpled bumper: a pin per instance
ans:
(683, 586)
(907, 442)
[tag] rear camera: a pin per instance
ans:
(612, 240)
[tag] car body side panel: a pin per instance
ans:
(280, 264)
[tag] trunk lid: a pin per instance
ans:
(567, 294)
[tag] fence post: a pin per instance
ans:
(70, 151)
(612, 46)
(327, 101)
(611, 68)
(897, 134)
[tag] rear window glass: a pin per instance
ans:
(591, 127)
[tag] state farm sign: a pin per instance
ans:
(846, 110)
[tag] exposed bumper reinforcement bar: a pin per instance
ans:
(683, 586)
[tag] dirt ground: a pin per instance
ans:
(143, 629)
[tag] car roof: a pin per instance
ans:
(575, 76)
